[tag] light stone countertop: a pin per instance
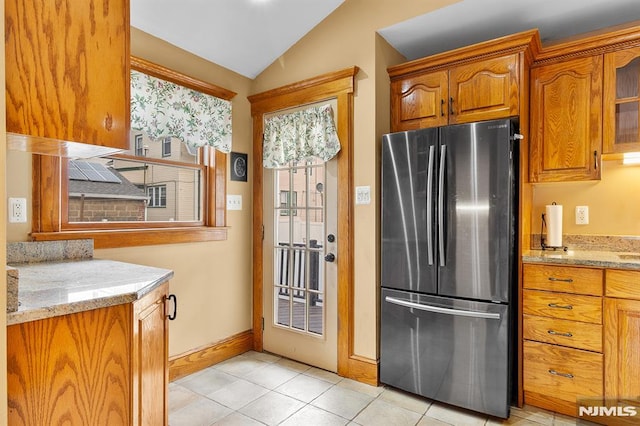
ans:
(50, 289)
(599, 259)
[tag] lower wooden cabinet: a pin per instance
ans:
(106, 366)
(562, 327)
(555, 376)
(622, 335)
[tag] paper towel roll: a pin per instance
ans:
(554, 225)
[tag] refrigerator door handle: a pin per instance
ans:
(439, 310)
(430, 206)
(443, 152)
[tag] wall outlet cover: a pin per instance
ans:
(17, 210)
(582, 215)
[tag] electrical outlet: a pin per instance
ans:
(363, 195)
(582, 215)
(17, 210)
(234, 202)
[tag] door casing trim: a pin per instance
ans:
(339, 85)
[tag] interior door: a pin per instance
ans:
(299, 262)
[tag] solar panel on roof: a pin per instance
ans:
(94, 172)
(74, 172)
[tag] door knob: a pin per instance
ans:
(330, 257)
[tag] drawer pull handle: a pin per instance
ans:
(555, 305)
(555, 373)
(555, 333)
(564, 280)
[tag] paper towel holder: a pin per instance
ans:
(543, 226)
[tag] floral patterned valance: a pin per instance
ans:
(299, 136)
(161, 108)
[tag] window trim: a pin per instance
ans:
(50, 183)
(166, 142)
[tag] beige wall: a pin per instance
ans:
(212, 280)
(614, 202)
(346, 38)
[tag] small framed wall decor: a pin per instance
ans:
(239, 166)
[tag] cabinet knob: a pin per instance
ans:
(108, 122)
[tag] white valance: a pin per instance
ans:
(298, 136)
(161, 108)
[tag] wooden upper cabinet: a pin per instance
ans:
(476, 91)
(622, 100)
(420, 101)
(566, 120)
(484, 90)
(67, 75)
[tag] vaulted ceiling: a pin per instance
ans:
(246, 36)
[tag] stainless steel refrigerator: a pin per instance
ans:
(448, 263)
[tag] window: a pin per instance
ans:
(138, 145)
(157, 196)
(160, 191)
(166, 147)
(288, 203)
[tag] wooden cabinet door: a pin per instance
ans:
(622, 100)
(150, 359)
(621, 343)
(419, 102)
(566, 120)
(484, 90)
(71, 369)
(67, 68)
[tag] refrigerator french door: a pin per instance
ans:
(447, 272)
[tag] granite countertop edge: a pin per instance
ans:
(44, 309)
(599, 259)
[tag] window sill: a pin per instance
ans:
(138, 237)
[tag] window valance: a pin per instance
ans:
(300, 135)
(162, 108)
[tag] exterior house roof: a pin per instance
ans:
(124, 189)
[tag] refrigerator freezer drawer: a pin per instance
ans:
(450, 350)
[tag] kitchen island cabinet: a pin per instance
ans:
(100, 358)
(67, 68)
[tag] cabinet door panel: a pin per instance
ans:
(622, 101)
(71, 369)
(566, 120)
(419, 102)
(150, 359)
(622, 340)
(484, 90)
(68, 70)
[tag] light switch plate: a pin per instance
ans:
(234, 202)
(363, 195)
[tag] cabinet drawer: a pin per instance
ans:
(563, 306)
(560, 372)
(580, 335)
(564, 279)
(623, 284)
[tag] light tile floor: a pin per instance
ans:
(259, 388)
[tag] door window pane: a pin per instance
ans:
(299, 236)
